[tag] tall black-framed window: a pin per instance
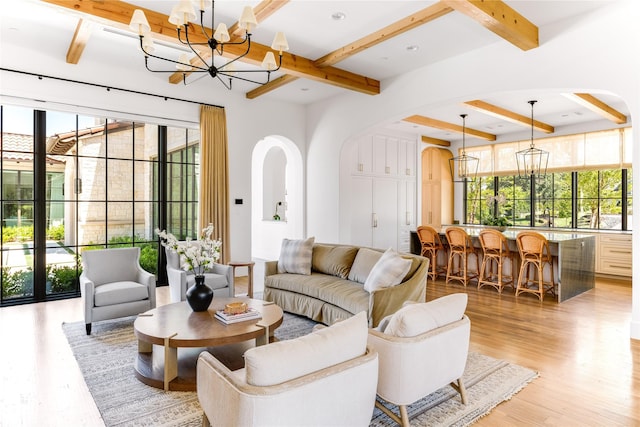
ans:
(590, 199)
(71, 183)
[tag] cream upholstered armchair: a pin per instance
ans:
(327, 377)
(421, 348)
(218, 277)
(114, 285)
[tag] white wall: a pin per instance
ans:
(598, 52)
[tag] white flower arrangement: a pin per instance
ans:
(195, 255)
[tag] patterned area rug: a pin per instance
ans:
(106, 360)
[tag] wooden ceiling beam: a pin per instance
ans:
(410, 22)
(79, 41)
(390, 31)
(438, 124)
(508, 115)
(272, 85)
(435, 141)
(119, 14)
(594, 104)
(501, 19)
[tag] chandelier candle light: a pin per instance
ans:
(465, 166)
(532, 161)
(205, 52)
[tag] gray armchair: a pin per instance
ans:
(114, 285)
(219, 278)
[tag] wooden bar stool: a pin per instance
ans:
(430, 246)
(496, 254)
(534, 256)
(460, 249)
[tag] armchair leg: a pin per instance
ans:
(404, 421)
(460, 388)
(404, 415)
(88, 326)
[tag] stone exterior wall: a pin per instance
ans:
(128, 186)
(115, 176)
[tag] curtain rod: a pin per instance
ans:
(108, 88)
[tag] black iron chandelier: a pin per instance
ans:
(464, 167)
(205, 52)
(532, 162)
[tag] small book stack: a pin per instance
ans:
(249, 314)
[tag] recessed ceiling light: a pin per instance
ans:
(338, 16)
(413, 48)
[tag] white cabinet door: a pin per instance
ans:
(406, 158)
(379, 151)
(410, 158)
(407, 205)
(391, 162)
(364, 156)
(385, 213)
(374, 212)
(406, 213)
(362, 211)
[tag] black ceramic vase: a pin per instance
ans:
(199, 295)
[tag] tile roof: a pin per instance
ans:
(19, 148)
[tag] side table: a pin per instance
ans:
(249, 265)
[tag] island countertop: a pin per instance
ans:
(511, 233)
(573, 256)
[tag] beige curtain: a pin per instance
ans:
(214, 175)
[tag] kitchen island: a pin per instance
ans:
(574, 256)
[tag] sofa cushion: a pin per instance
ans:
(295, 256)
(345, 294)
(333, 260)
(362, 265)
(285, 360)
(415, 319)
(99, 264)
(390, 269)
(119, 292)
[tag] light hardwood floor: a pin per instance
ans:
(589, 368)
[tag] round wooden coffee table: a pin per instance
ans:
(171, 337)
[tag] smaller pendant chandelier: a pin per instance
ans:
(464, 167)
(532, 161)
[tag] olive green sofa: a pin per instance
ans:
(334, 290)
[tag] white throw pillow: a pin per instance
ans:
(388, 271)
(285, 360)
(295, 256)
(363, 264)
(415, 319)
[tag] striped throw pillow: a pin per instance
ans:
(295, 256)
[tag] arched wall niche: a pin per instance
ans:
(276, 176)
(274, 187)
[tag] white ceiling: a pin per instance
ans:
(312, 33)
